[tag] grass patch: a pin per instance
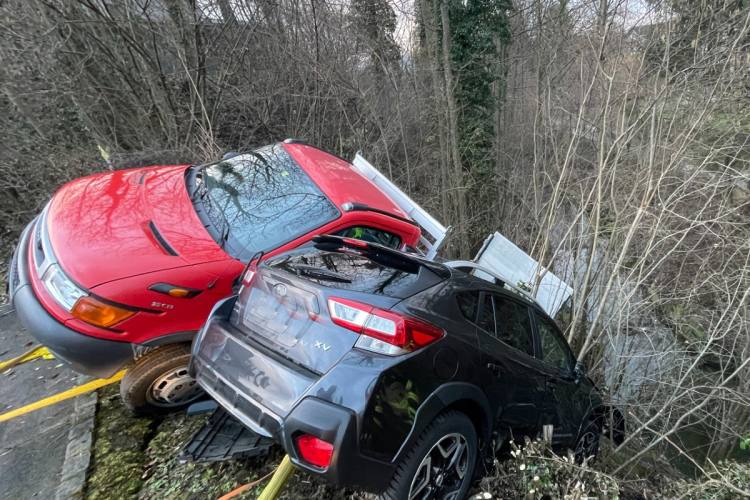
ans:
(141, 458)
(119, 449)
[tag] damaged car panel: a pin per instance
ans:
(358, 359)
(122, 268)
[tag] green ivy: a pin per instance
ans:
(479, 29)
(745, 442)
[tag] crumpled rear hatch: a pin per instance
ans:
(286, 305)
(280, 337)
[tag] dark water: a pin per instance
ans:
(696, 441)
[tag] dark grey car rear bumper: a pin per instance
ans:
(237, 374)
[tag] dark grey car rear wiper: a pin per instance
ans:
(383, 255)
(319, 273)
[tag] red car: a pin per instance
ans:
(122, 268)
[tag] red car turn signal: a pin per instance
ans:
(98, 313)
(179, 292)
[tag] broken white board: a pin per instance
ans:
(501, 256)
(427, 223)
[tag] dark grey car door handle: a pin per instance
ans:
(495, 369)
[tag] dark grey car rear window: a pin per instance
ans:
(349, 271)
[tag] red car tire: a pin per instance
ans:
(158, 382)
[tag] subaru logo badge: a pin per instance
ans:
(280, 290)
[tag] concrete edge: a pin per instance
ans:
(78, 452)
(5, 309)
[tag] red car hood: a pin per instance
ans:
(120, 224)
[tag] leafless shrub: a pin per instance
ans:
(533, 472)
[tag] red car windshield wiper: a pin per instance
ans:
(201, 189)
(200, 192)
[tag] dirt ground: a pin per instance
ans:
(140, 458)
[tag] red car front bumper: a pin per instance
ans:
(85, 354)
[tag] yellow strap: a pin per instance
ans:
(36, 352)
(279, 479)
(248, 486)
(62, 396)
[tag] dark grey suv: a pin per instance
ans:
(378, 369)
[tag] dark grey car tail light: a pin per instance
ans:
(314, 450)
(384, 332)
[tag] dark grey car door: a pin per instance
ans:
(565, 405)
(505, 339)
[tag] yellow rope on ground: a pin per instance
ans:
(273, 488)
(245, 487)
(279, 479)
(62, 396)
(36, 352)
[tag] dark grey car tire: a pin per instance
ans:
(447, 424)
(148, 384)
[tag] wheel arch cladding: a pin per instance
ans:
(476, 414)
(459, 396)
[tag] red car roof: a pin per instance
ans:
(339, 181)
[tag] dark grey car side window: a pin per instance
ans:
(513, 324)
(486, 319)
(468, 303)
(555, 351)
(481, 312)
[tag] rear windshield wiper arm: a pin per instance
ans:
(319, 273)
(381, 254)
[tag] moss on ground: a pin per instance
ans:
(118, 454)
(168, 476)
(141, 458)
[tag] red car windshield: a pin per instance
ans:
(259, 201)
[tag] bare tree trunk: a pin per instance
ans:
(438, 95)
(458, 190)
(182, 13)
(498, 91)
(227, 13)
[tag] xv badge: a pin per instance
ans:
(320, 345)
